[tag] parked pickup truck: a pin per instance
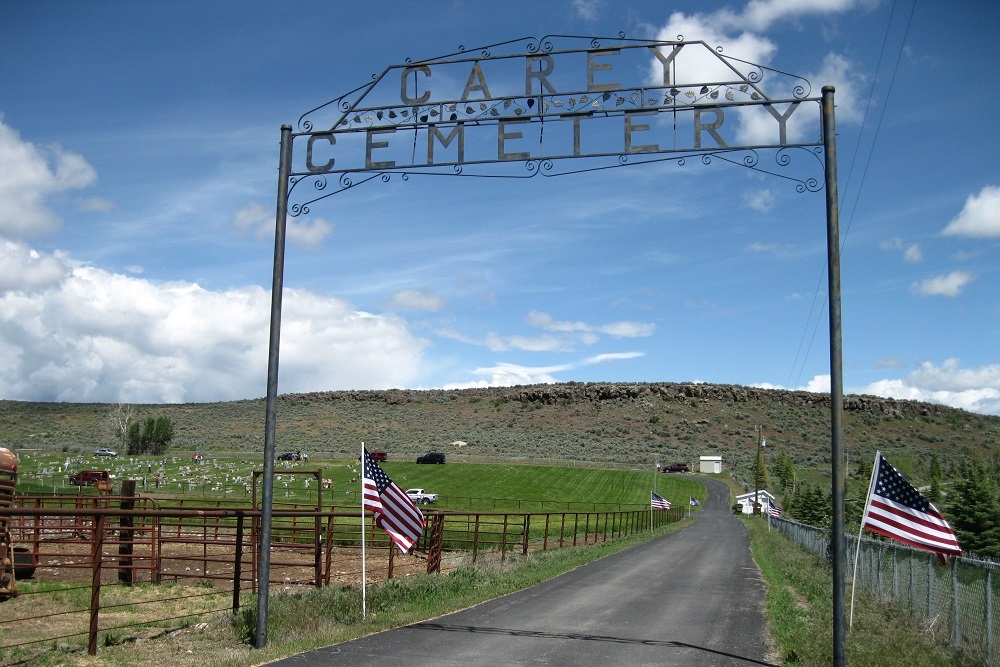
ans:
(419, 497)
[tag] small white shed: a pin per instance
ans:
(711, 464)
(763, 496)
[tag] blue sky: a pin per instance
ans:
(138, 175)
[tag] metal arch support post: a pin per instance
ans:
(838, 541)
(267, 484)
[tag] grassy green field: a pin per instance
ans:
(461, 486)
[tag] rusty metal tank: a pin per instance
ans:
(8, 486)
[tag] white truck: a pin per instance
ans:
(420, 497)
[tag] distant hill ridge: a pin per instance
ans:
(600, 422)
(594, 392)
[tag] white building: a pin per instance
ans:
(710, 464)
(764, 497)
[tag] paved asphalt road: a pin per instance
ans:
(694, 597)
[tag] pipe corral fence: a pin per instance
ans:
(209, 552)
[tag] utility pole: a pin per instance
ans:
(756, 486)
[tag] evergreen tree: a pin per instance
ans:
(784, 470)
(811, 506)
(975, 511)
(935, 468)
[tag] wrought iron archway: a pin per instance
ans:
(571, 115)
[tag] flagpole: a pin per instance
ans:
(364, 574)
(655, 470)
(857, 548)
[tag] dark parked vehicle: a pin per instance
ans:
(89, 477)
(290, 456)
(379, 456)
(678, 467)
(431, 457)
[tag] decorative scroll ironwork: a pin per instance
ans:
(399, 118)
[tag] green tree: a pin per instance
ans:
(162, 434)
(810, 505)
(934, 493)
(935, 468)
(153, 436)
(975, 511)
(784, 470)
(133, 439)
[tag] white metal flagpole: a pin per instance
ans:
(364, 574)
(655, 470)
(857, 549)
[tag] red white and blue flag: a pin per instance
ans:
(659, 502)
(897, 510)
(774, 511)
(394, 512)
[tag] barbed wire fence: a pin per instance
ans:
(957, 600)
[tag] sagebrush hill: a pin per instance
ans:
(611, 423)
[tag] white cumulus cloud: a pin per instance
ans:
(972, 389)
(980, 217)
(950, 284)
(29, 175)
(23, 268)
(97, 336)
(738, 34)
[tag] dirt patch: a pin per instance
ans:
(186, 613)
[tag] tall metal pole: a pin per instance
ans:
(756, 477)
(267, 492)
(838, 540)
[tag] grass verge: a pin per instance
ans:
(800, 614)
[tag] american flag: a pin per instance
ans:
(897, 510)
(394, 512)
(774, 510)
(659, 502)
(694, 502)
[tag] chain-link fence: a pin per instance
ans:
(956, 600)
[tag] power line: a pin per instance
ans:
(857, 197)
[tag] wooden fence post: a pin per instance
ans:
(436, 545)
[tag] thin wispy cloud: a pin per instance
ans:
(258, 221)
(507, 374)
(911, 252)
(416, 300)
(615, 329)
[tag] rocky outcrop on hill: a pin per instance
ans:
(583, 392)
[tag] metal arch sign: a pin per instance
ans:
(531, 107)
(527, 107)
